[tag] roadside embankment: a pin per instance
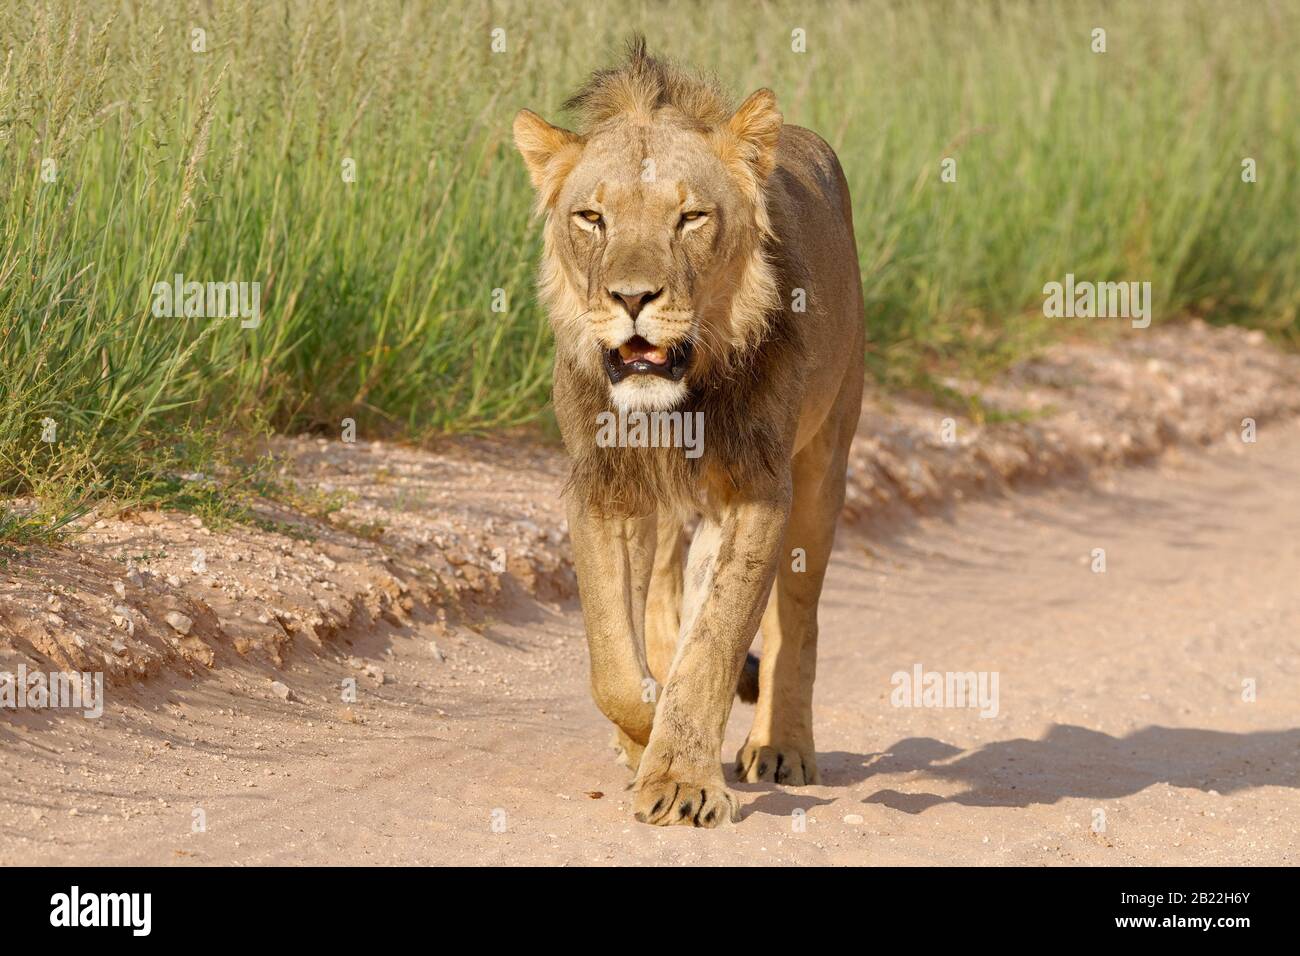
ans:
(444, 533)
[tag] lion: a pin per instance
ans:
(699, 260)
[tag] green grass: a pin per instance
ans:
(376, 295)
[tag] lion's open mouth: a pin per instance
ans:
(636, 356)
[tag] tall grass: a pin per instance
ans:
(377, 295)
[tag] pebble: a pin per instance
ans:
(179, 622)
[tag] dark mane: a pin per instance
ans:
(643, 84)
(742, 447)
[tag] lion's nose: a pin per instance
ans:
(634, 302)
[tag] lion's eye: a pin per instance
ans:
(591, 216)
(694, 216)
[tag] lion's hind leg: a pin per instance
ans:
(780, 745)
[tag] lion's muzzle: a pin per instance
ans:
(636, 356)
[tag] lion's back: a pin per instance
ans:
(812, 217)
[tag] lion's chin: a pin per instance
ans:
(648, 393)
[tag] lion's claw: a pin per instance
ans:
(675, 803)
(790, 766)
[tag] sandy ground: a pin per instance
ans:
(1122, 734)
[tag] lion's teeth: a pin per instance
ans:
(652, 354)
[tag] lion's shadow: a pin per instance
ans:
(1076, 762)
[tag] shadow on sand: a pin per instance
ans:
(1076, 762)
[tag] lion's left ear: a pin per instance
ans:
(752, 132)
(549, 152)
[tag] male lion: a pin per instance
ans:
(699, 260)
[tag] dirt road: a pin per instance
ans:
(1126, 729)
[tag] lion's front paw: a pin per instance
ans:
(788, 764)
(669, 802)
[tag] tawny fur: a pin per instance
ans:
(779, 388)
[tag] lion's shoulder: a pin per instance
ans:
(807, 174)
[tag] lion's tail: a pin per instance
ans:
(747, 686)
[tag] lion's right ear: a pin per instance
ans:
(756, 127)
(747, 144)
(549, 152)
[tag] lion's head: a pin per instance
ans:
(654, 269)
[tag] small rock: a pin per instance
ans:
(179, 622)
(281, 691)
(853, 819)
